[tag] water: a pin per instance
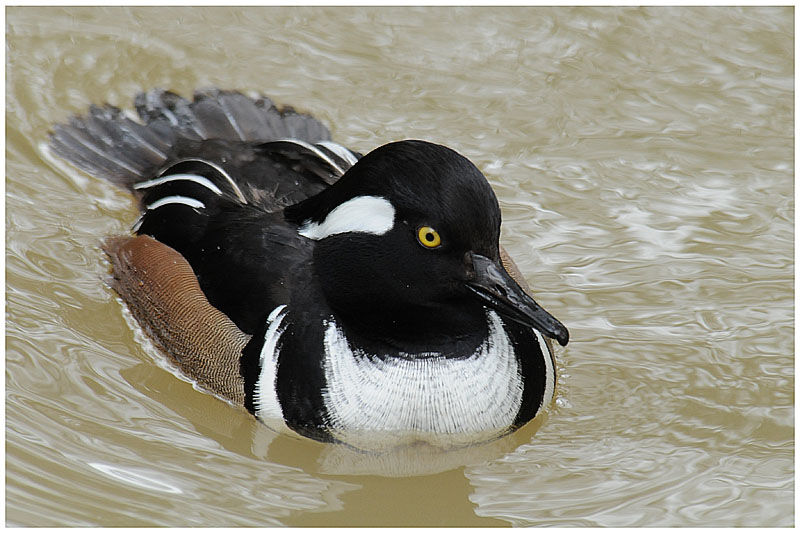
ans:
(644, 163)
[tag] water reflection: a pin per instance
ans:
(329, 477)
(238, 431)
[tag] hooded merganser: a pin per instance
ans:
(350, 298)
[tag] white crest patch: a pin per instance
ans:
(362, 214)
(450, 401)
(267, 407)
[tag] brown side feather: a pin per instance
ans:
(512, 268)
(163, 294)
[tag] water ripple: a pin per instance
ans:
(643, 159)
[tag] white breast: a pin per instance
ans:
(427, 397)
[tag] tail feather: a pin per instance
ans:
(228, 115)
(135, 146)
(107, 143)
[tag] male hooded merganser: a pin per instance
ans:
(351, 298)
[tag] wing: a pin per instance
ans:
(276, 155)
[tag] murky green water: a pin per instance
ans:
(644, 163)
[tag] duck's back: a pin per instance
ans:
(276, 157)
(212, 177)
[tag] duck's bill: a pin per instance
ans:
(497, 288)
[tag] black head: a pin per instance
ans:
(408, 249)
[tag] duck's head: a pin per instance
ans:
(408, 249)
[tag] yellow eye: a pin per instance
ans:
(428, 237)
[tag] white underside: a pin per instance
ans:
(374, 402)
(380, 403)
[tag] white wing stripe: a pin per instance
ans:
(319, 153)
(200, 180)
(168, 200)
(339, 150)
(222, 173)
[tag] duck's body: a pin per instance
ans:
(351, 298)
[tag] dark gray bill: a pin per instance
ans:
(496, 287)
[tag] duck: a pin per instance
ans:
(347, 298)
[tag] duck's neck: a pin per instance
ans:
(397, 331)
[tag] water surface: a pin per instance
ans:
(643, 159)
